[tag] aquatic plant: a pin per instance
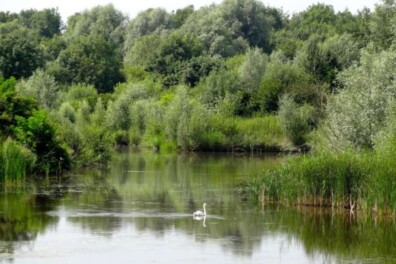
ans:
(16, 161)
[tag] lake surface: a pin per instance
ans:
(139, 210)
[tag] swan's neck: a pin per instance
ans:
(204, 207)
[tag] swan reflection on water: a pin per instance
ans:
(200, 215)
(200, 218)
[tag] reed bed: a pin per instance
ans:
(15, 161)
(349, 179)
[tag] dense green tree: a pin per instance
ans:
(223, 83)
(173, 55)
(20, 52)
(13, 104)
(143, 51)
(324, 58)
(251, 20)
(89, 60)
(382, 24)
(358, 112)
(318, 19)
(47, 22)
(147, 22)
(283, 76)
(42, 87)
(102, 21)
(181, 15)
(7, 17)
(210, 26)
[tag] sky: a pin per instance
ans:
(133, 7)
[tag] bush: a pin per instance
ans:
(38, 134)
(295, 120)
(68, 112)
(97, 145)
(42, 87)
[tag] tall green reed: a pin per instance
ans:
(366, 180)
(16, 161)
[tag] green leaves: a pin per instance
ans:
(295, 120)
(89, 60)
(20, 52)
(38, 134)
(358, 112)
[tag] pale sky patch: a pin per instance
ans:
(133, 7)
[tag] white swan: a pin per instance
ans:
(200, 213)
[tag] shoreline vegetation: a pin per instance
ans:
(236, 77)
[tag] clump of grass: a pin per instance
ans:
(16, 161)
(365, 181)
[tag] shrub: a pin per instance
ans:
(295, 120)
(38, 134)
(42, 87)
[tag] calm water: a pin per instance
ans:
(139, 211)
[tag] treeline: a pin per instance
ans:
(236, 76)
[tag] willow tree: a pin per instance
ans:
(358, 112)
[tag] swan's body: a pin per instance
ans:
(200, 213)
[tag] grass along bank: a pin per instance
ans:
(348, 179)
(16, 161)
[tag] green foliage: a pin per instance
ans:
(12, 105)
(382, 24)
(89, 60)
(119, 114)
(145, 23)
(16, 162)
(364, 180)
(324, 59)
(68, 112)
(172, 57)
(283, 77)
(38, 134)
(252, 21)
(20, 52)
(295, 120)
(261, 133)
(96, 145)
(42, 87)
(102, 22)
(7, 17)
(209, 25)
(80, 92)
(143, 52)
(252, 70)
(47, 22)
(250, 78)
(181, 15)
(358, 112)
(317, 19)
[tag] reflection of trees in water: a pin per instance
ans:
(338, 235)
(162, 185)
(97, 196)
(22, 219)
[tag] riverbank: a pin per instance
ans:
(356, 181)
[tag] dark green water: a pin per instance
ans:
(140, 211)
